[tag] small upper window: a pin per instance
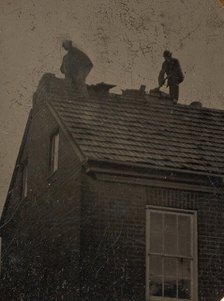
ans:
(54, 152)
(0, 255)
(24, 181)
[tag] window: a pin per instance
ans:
(24, 181)
(54, 153)
(0, 255)
(171, 255)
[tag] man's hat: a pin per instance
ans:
(67, 43)
(167, 53)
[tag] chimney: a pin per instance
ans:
(142, 90)
(100, 90)
(196, 105)
(135, 92)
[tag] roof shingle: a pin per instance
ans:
(144, 130)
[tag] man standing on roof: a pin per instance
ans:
(174, 75)
(76, 65)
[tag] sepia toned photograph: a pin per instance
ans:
(112, 150)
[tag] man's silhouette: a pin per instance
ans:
(76, 65)
(174, 75)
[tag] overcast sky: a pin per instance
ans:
(125, 40)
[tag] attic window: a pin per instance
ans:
(24, 181)
(54, 152)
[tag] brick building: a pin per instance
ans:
(115, 197)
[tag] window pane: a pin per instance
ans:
(184, 246)
(184, 233)
(170, 267)
(54, 152)
(170, 288)
(24, 182)
(170, 244)
(184, 225)
(184, 268)
(155, 265)
(156, 242)
(170, 224)
(155, 286)
(156, 222)
(56, 147)
(184, 289)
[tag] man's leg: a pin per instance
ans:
(80, 85)
(174, 92)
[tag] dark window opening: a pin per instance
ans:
(54, 152)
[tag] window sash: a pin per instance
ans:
(167, 237)
(192, 257)
(24, 181)
(0, 255)
(54, 153)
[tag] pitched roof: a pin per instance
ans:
(144, 130)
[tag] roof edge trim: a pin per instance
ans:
(74, 145)
(101, 163)
(157, 183)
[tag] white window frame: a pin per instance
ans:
(54, 152)
(24, 181)
(194, 258)
(0, 255)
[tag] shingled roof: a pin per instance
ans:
(144, 130)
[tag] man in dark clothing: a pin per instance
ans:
(171, 67)
(76, 65)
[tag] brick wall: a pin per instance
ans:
(113, 238)
(41, 243)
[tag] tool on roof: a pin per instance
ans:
(157, 89)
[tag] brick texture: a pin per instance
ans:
(41, 243)
(113, 238)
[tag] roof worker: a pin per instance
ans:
(174, 75)
(76, 65)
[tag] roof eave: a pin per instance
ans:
(148, 171)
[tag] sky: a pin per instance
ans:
(125, 40)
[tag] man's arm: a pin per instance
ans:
(179, 72)
(62, 69)
(161, 78)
